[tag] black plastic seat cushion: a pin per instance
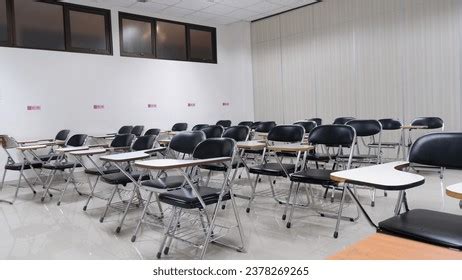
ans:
(169, 182)
(319, 157)
(314, 176)
(48, 157)
(272, 169)
(428, 226)
(94, 171)
(186, 198)
(219, 167)
(17, 166)
(121, 179)
(60, 165)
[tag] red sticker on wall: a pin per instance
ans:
(98, 107)
(191, 104)
(225, 103)
(152, 106)
(34, 108)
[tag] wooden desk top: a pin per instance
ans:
(414, 127)
(89, 152)
(455, 191)
(164, 141)
(164, 164)
(31, 147)
(386, 247)
(383, 176)
(251, 145)
(71, 149)
(131, 156)
(291, 148)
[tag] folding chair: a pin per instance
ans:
(246, 123)
(224, 123)
(152, 131)
(389, 125)
(318, 121)
(213, 131)
(180, 127)
(342, 120)
(137, 130)
(199, 127)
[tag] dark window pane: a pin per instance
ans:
(201, 45)
(39, 25)
(136, 37)
(171, 40)
(88, 30)
(3, 25)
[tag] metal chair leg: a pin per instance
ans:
(373, 197)
(252, 195)
(289, 223)
(1, 188)
(145, 209)
(17, 187)
(238, 221)
(48, 186)
(340, 210)
(288, 201)
(175, 226)
(166, 232)
(127, 208)
(108, 204)
(92, 191)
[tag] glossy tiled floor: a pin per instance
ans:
(33, 230)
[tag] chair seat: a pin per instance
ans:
(186, 198)
(314, 176)
(385, 144)
(319, 157)
(60, 165)
(169, 182)
(258, 152)
(438, 228)
(18, 165)
(121, 179)
(219, 167)
(94, 171)
(48, 157)
(272, 169)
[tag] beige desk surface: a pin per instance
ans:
(31, 147)
(126, 156)
(455, 191)
(291, 148)
(89, 152)
(251, 145)
(386, 247)
(164, 164)
(71, 149)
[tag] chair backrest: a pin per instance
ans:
(213, 148)
(390, 124)
(213, 131)
(199, 127)
(180, 127)
(138, 130)
(126, 129)
(265, 127)
(287, 133)
(224, 123)
(333, 135)
(438, 149)
(187, 141)
(77, 140)
(429, 122)
(318, 121)
(122, 140)
(62, 135)
(246, 123)
(144, 143)
(152, 131)
(343, 120)
(254, 125)
(307, 125)
(8, 142)
(365, 128)
(238, 133)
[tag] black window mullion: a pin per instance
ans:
(153, 37)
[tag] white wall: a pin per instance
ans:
(67, 85)
(360, 58)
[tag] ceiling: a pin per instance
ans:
(219, 12)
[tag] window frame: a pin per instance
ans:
(91, 10)
(153, 23)
(214, 42)
(9, 23)
(186, 42)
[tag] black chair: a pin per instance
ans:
(246, 123)
(332, 137)
(213, 131)
(307, 125)
(182, 145)
(142, 143)
(62, 164)
(198, 197)
(255, 125)
(260, 127)
(224, 123)
(279, 134)
(389, 125)
(198, 127)
(343, 120)
(137, 130)
(318, 121)
(180, 127)
(118, 144)
(19, 166)
(152, 131)
(429, 122)
(438, 228)
(51, 155)
(126, 129)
